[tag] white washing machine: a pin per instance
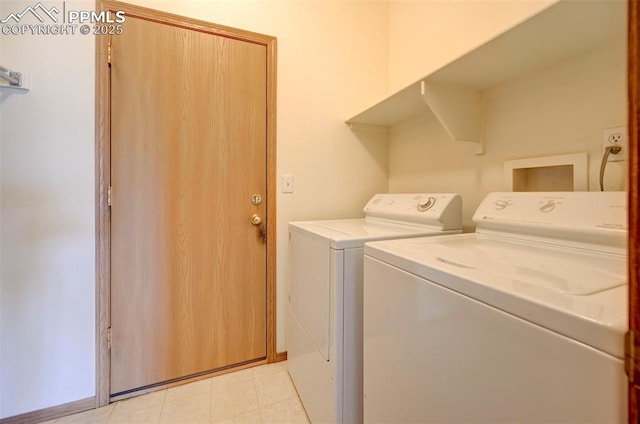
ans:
(324, 334)
(521, 322)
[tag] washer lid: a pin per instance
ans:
(581, 294)
(564, 271)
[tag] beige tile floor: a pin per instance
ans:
(263, 394)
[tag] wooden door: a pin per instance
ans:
(188, 151)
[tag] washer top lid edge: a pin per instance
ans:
(440, 211)
(591, 220)
(546, 285)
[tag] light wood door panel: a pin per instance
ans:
(188, 150)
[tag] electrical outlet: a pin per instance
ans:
(617, 136)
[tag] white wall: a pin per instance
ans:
(332, 59)
(560, 110)
(47, 221)
(425, 35)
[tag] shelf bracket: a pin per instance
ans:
(12, 79)
(458, 109)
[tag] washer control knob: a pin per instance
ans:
(427, 204)
(548, 207)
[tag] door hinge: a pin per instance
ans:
(109, 52)
(109, 196)
(631, 364)
(109, 338)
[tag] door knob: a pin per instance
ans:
(255, 219)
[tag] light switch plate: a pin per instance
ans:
(287, 183)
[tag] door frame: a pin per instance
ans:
(633, 97)
(102, 176)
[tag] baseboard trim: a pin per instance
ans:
(51, 413)
(280, 356)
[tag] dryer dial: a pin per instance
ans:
(427, 204)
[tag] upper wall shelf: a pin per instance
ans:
(453, 93)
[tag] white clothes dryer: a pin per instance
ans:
(324, 332)
(521, 322)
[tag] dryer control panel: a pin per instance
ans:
(441, 211)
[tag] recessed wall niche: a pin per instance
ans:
(548, 173)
